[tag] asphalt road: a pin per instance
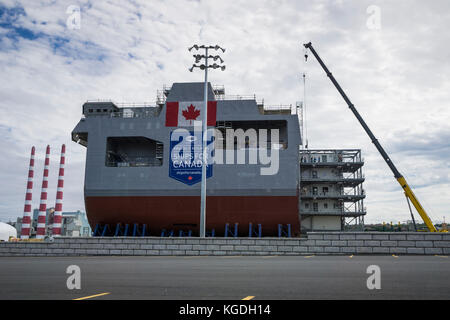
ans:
(226, 278)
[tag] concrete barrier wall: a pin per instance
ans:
(318, 243)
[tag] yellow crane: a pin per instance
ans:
(401, 180)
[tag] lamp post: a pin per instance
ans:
(205, 66)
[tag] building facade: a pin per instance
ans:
(331, 189)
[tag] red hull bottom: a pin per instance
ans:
(183, 212)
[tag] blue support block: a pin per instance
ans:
(144, 230)
(252, 231)
(210, 234)
(125, 233)
(284, 230)
(105, 228)
(135, 229)
(228, 231)
(165, 233)
(96, 230)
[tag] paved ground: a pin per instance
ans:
(230, 278)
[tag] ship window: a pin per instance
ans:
(133, 152)
(315, 206)
(105, 110)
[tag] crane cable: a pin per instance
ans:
(305, 53)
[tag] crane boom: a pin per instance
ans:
(401, 180)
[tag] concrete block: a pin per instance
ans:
(339, 243)
(219, 253)
(424, 244)
(255, 248)
(172, 247)
(441, 244)
(433, 251)
(212, 247)
(192, 241)
(380, 250)
(388, 243)
(154, 241)
(284, 248)
(433, 237)
(291, 242)
(331, 250)
(205, 252)
(127, 252)
(165, 252)
(308, 243)
(185, 247)
(397, 250)
(133, 246)
(355, 243)
(380, 237)
(103, 252)
(330, 237)
(364, 249)
(347, 236)
(179, 241)
(247, 241)
(323, 242)
(415, 237)
(192, 252)
(178, 252)
(140, 252)
(406, 243)
(415, 250)
(397, 236)
(240, 248)
(270, 248)
(348, 249)
(262, 242)
(315, 249)
(234, 241)
(372, 243)
(226, 247)
(315, 236)
(115, 252)
(299, 249)
(152, 252)
(159, 247)
(446, 250)
(80, 251)
(367, 236)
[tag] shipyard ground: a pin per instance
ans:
(226, 278)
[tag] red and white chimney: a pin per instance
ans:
(26, 220)
(57, 218)
(40, 231)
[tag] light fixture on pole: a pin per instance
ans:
(205, 66)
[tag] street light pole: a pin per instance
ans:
(205, 67)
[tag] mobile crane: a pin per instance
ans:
(401, 180)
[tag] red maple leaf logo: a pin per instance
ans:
(191, 113)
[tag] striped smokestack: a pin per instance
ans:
(26, 220)
(57, 218)
(40, 231)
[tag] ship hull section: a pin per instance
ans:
(183, 212)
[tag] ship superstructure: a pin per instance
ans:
(128, 164)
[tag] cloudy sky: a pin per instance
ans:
(391, 57)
